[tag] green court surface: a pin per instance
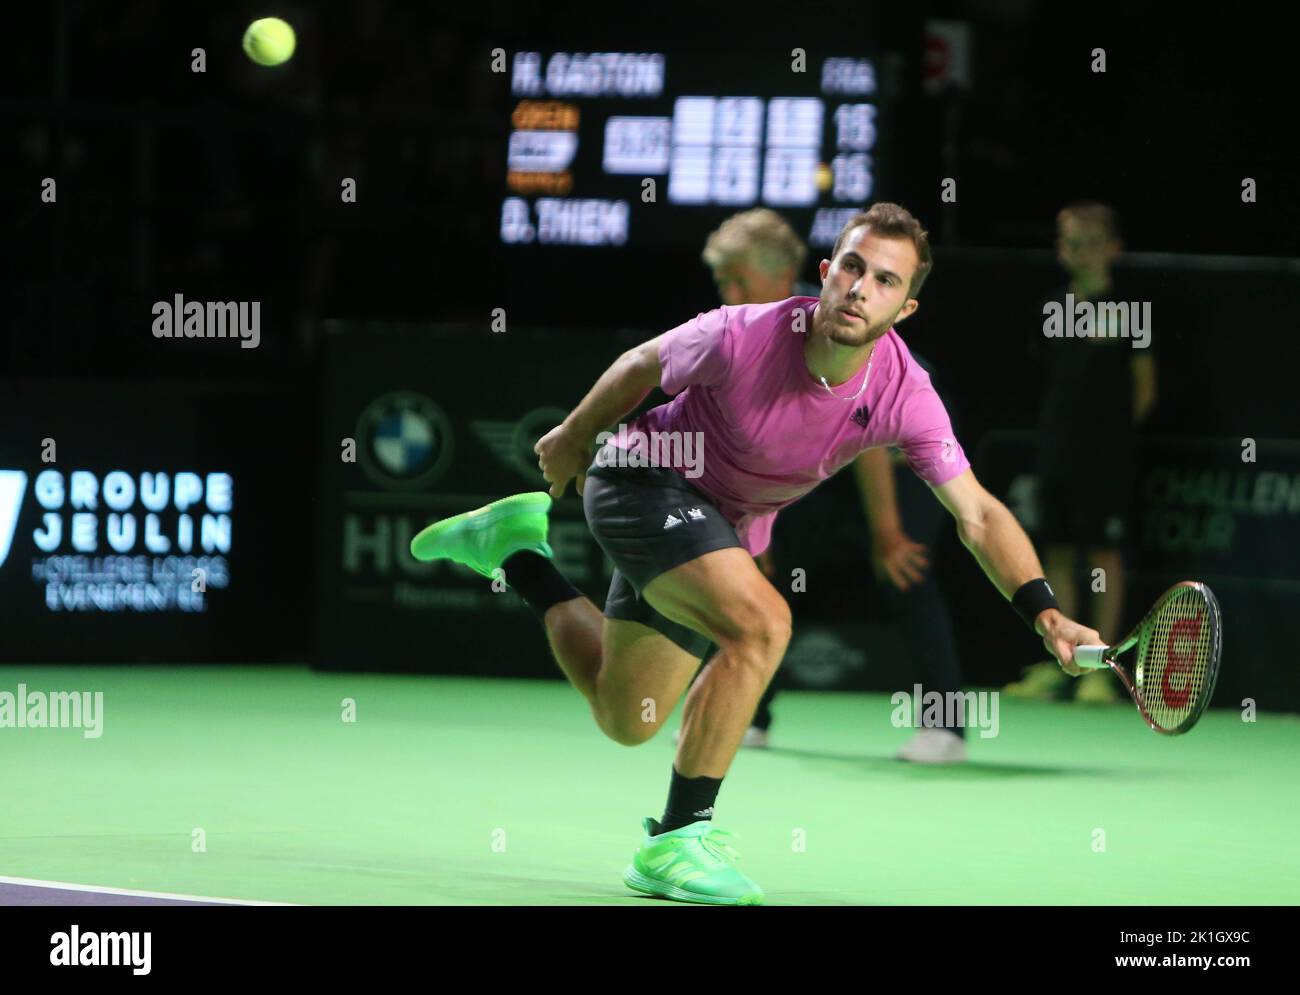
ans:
(483, 791)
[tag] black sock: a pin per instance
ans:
(959, 717)
(535, 579)
(690, 799)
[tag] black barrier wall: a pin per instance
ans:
(419, 424)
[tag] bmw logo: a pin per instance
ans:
(404, 440)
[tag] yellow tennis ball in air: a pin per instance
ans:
(269, 41)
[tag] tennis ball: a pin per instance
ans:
(269, 41)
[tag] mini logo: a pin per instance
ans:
(695, 513)
(861, 416)
(511, 442)
(671, 522)
(949, 450)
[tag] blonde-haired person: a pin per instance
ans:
(756, 257)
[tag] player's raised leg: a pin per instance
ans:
(616, 665)
(507, 540)
(641, 679)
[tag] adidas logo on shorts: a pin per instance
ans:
(672, 521)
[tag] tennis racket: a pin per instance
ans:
(1177, 664)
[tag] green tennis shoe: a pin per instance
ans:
(694, 863)
(486, 537)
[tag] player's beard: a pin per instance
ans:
(857, 334)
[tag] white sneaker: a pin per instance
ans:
(934, 746)
(755, 738)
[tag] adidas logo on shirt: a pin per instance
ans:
(671, 522)
(861, 416)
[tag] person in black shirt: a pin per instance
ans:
(1100, 385)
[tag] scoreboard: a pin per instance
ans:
(654, 149)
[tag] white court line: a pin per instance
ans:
(130, 892)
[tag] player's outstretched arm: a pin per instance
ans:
(564, 452)
(989, 530)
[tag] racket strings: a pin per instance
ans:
(1174, 658)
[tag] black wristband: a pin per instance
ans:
(1033, 597)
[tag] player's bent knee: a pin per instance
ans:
(630, 727)
(781, 624)
(761, 646)
(635, 738)
(772, 629)
(760, 622)
(631, 734)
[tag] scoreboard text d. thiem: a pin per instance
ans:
(602, 143)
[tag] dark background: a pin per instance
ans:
(224, 185)
(228, 180)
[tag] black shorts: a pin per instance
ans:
(1085, 508)
(649, 520)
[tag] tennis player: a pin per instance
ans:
(774, 398)
(755, 257)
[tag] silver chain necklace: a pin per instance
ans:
(838, 397)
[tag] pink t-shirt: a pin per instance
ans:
(768, 432)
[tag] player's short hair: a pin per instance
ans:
(893, 221)
(1092, 213)
(760, 235)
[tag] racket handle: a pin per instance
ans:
(1091, 657)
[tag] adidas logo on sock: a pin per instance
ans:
(671, 522)
(704, 813)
